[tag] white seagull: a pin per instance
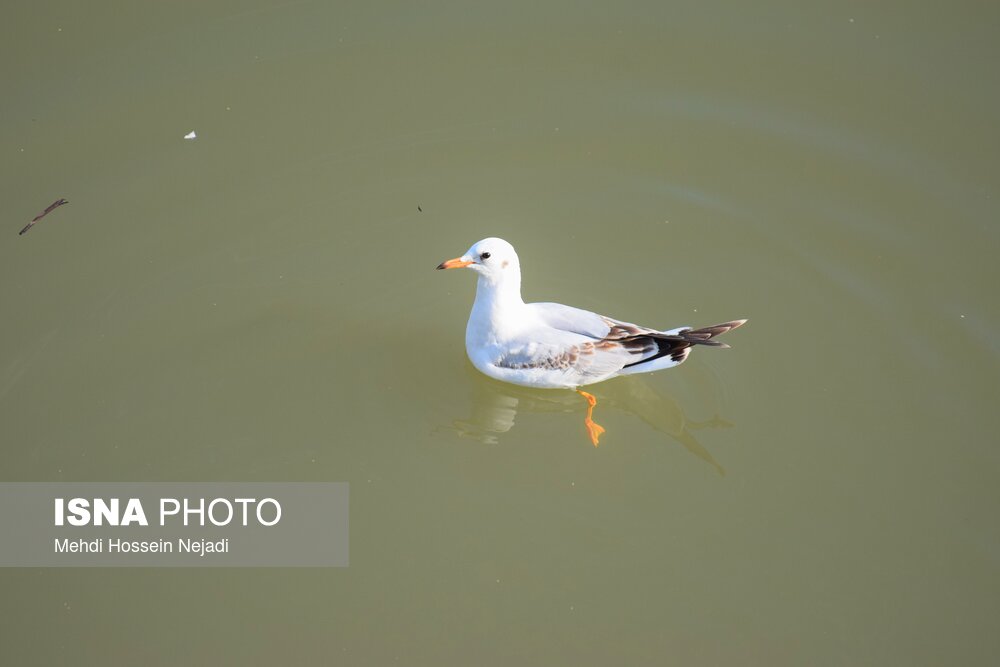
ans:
(555, 346)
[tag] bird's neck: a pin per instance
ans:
(497, 303)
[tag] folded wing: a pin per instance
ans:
(597, 346)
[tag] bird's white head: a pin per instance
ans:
(493, 259)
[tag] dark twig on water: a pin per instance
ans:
(53, 206)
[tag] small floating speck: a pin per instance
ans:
(53, 206)
(191, 135)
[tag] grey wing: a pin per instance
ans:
(592, 325)
(615, 341)
(610, 342)
(575, 320)
(582, 342)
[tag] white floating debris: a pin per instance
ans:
(191, 135)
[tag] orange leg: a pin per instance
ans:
(594, 429)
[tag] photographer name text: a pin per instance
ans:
(113, 545)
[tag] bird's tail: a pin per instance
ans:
(674, 346)
(706, 335)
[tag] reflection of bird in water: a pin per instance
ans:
(495, 406)
(549, 345)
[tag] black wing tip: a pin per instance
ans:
(679, 346)
(729, 326)
(719, 329)
(680, 355)
(705, 335)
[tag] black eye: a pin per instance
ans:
(485, 255)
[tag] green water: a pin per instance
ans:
(260, 303)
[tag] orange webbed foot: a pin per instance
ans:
(593, 428)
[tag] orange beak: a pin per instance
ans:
(456, 263)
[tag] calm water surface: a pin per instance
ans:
(260, 304)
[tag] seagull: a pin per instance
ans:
(550, 345)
